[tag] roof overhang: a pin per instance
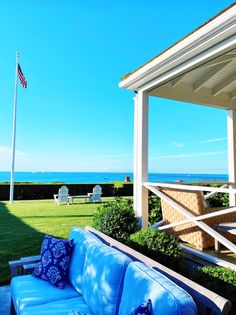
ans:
(201, 68)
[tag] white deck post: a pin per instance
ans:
(141, 157)
(135, 154)
(231, 124)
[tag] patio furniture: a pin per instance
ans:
(62, 196)
(95, 251)
(102, 280)
(96, 194)
(227, 227)
(72, 198)
(194, 203)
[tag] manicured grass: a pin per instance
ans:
(24, 224)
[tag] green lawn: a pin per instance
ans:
(24, 224)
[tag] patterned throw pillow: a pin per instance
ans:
(55, 259)
(143, 309)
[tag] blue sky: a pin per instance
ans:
(73, 116)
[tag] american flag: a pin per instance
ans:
(21, 77)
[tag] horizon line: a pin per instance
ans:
(120, 172)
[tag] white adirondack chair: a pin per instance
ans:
(62, 196)
(96, 194)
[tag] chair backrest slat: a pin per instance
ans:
(97, 190)
(63, 194)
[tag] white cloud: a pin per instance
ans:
(21, 158)
(177, 144)
(187, 155)
(214, 140)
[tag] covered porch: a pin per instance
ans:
(199, 69)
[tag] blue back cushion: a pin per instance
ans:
(142, 283)
(82, 240)
(103, 279)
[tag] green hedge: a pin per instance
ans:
(125, 189)
(154, 209)
(46, 191)
(219, 200)
(220, 280)
(160, 246)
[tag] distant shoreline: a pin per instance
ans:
(103, 177)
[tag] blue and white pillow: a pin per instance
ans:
(55, 259)
(143, 309)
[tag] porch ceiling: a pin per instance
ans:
(199, 69)
(213, 84)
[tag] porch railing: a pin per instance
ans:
(226, 188)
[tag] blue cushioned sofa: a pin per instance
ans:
(105, 278)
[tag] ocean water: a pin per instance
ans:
(96, 177)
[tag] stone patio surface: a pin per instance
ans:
(5, 300)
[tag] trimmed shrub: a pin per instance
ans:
(219, 273)
(159, 246)
(154, 209)
(116, 219)
(221, 280)
(219, 200)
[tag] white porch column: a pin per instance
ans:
(135, 154)
(231, 124)
(141, 157)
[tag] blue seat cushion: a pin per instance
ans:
(28, 291)
(82, 239)
(62, 307)
(103, 278)
(142, 283)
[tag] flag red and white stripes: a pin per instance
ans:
(21, 77)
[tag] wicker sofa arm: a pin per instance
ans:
(16, 265)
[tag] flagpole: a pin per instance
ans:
(14, 133)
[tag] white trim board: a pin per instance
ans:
(211, 34)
